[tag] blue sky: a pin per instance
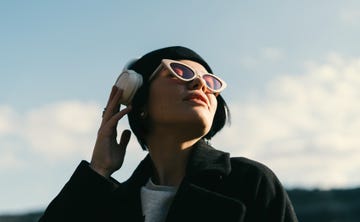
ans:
(292, 67)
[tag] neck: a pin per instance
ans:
(169, 154)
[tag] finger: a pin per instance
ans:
(113, 121)
(114, 89)
(113, 105)
(125, 138)
(115, 118)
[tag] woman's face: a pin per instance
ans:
(175, 103)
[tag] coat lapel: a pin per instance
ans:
(198, 197)
(194, 203)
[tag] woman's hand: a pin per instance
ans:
(108, 155)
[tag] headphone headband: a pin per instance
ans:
(129, 64)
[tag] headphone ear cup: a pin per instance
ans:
(129, 81)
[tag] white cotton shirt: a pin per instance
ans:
(156, 201)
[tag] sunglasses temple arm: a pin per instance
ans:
(156, 71)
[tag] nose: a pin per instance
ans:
(198, 83)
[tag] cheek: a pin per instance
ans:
(163, 98)
(213, 104)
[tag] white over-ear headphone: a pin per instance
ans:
(129, 81)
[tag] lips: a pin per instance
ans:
(197, 97)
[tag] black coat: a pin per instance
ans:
(215, 188)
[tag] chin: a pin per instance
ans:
(200, 127)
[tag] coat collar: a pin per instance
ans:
(195, 195)
(203, 159)
(206, 159)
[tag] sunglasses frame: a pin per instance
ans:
(166, 63)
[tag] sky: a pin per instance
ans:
(292, 68)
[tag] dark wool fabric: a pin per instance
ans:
(215, 188)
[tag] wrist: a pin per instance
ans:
(103, 172)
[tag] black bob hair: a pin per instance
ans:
(146, 66)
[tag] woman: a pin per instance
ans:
(176, 109)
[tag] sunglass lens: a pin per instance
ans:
(212, 82)
(182, 71)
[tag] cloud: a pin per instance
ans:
(8, 160)
(248, 61)
(272, 54)
(56, 133)
(7, 120)
(62, 129)
(350, 16)
(263, 55)
(52, 132)
(306, 127)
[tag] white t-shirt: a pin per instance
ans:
(156, 201)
